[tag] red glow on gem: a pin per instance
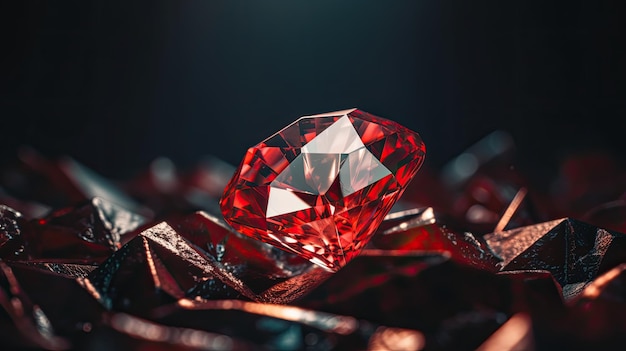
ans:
(321, 186)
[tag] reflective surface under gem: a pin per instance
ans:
(321, 186)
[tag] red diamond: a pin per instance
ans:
(321, 186)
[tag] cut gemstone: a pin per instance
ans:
(321, 186)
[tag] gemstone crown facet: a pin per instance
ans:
(321, 186)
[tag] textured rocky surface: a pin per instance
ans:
(481, 260)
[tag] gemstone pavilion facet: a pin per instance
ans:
(321, 186)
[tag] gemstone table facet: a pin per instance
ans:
(321, 186)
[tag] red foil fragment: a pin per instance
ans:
(86, 233)
(464, 248)
(573, 251)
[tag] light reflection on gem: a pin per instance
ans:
(283, 201)
(339, 138)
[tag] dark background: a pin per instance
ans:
(117, 83)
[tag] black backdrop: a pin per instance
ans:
(118, 83)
